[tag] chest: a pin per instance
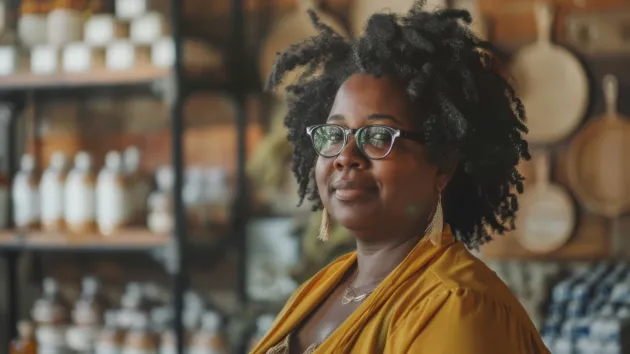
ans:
(331, 314)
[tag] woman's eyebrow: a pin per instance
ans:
(381, 116)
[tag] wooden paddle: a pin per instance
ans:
(598, 162)
(552, 84)
(546, 217)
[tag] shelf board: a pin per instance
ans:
(126, 240)
(101, 77)
(132, 240)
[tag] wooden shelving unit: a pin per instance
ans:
(128, 239)
(138, 75)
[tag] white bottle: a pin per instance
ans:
(25, 195)
(52, 195)
(111, 196)
(80, 196)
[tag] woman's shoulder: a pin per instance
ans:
(457, 268)
(467, 299)
(456, 278)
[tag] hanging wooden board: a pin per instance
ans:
(291, 29)
(599, 33)
(598, 159)
(552, 84)
(546, 218)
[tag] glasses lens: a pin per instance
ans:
(375, 141)
(328, 140)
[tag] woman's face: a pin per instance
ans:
(378, 199)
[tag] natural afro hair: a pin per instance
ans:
(472, 113)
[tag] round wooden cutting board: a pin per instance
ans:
(552, 84)
(599, 159)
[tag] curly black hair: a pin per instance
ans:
(472, 112)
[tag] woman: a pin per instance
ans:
(409, 137)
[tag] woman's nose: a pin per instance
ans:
(351, 156)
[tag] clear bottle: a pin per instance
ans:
(4, 201)
(210, 338)
(193, 198)
(50, 314)
(51, 307)
(25, 195)
(139, 339)
(218, 195)
(52, 195)
(80, 196)
(110, 338)
(263, 324)
(111, 196)
(133, 304)
(87, 317)
(25, 343)
(160, 217)
(89, 309)
(138, 183)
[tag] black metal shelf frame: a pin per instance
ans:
(175, 87)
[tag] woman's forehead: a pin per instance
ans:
(362, 96)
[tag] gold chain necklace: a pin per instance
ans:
(350, 296)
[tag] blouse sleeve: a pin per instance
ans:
(468, 322)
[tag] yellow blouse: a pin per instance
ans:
(439, 300)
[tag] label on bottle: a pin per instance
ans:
(4, 207)
(112, 206)
(52, 198)
(25, 201)
(79, 202)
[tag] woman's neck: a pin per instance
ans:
(376, 260)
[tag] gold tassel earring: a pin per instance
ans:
(436, 225)
(324, 228)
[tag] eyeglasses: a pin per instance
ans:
(374, 141)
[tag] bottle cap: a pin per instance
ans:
(90, 285)
(50, 286)
(131, 159)
(113, 161)
(211, 321)
(58, 160)
(27, 163)
(83, 161)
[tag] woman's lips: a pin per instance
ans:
(351, 194)
(349, 190)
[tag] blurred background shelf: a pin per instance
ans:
(140, 75)
(127, 240)
(124, 240)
